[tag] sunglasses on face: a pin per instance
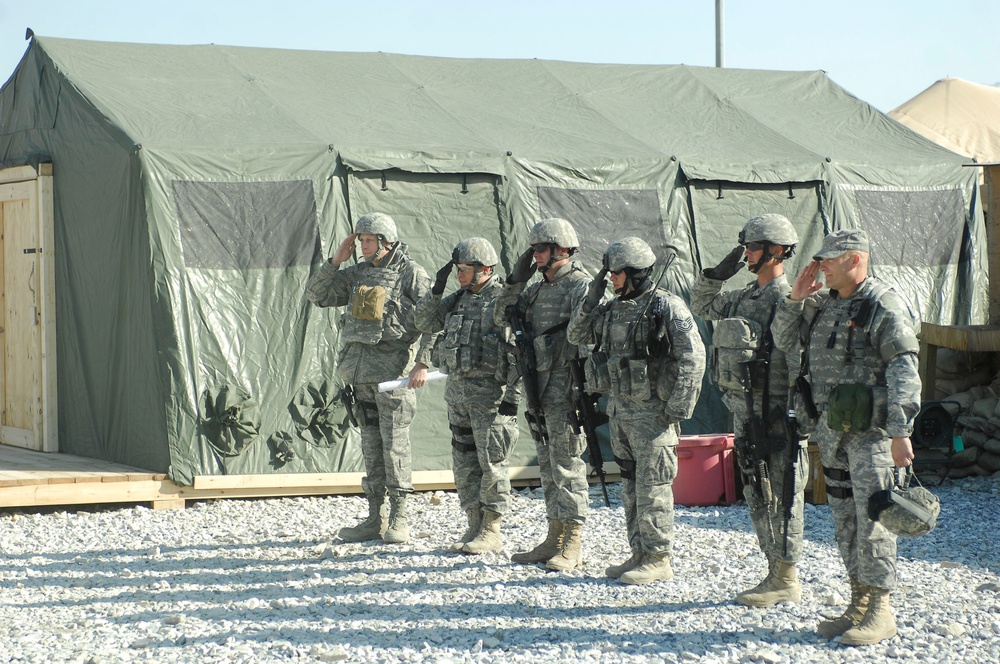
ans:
(754, 246)
(465, 269)
(540, 248)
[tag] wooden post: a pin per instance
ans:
(991, 174)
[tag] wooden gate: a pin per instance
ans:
(28, 416)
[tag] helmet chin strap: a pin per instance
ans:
(385, 251)
(765, 256)
(552, 259)
(636, 283)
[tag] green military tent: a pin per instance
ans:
(197, 188)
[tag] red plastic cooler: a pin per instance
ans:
(705, 471)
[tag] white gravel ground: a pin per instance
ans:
(261, 581)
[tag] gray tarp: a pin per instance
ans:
(198, 187)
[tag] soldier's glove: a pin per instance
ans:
(729, 266)
(523, 268)
(441, 279)
(507, 408)
(596, 291)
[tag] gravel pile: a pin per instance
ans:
(261, 581)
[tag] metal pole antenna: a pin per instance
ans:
(720, 34)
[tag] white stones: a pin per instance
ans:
(950, 629)
(247, 581)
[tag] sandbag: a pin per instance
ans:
(966, 457)
(989, 461)
(984, 407)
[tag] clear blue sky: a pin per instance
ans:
(883, 51)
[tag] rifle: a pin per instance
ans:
(752, 453)
(788, 481)
(527, 367)
(587, 416)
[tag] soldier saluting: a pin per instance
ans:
(378, 333)
(540, 313)
(653, 363)
(859, 348)
(754, 378)
(483, 388)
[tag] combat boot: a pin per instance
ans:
(488, 538)
(398, 530)
(878, 623)
(782, 586)
(570, 555)
(616, 571)
(852, 615)
(763, 585)
(541, 553)
(654, 567)
(369, 529)
(475, 519)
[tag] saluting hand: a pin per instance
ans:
(807, 283)
(441, 278)
(728, 266)
(346, 250)
(523, 268)
(596, 290)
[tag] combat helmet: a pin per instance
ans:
(906, 512)
(629, 252)
(554, 231)
(770, 228)
(635, 258)
(377, 223)
(475, 250)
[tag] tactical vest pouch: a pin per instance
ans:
(595, 373)
(849, 408)
(638, 371)
(544, 352)
(369, 303)
(736, 341)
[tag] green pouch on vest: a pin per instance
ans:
(849, 408)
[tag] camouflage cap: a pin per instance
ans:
(377, 223)
(905, 512)
(629, 252)
(837, 243)
(554, 231)
(476, 250)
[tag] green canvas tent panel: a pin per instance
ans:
(197, 188)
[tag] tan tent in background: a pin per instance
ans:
(959, 115)
(964, 117)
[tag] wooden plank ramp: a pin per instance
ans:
(35, 479)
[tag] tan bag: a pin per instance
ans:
(369, 303)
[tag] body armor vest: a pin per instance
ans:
(471, 344)
(377, 309)
(841, 350)
(628, 339)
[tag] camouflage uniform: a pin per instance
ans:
(377, 347)
(758, 304)
(858, 463)
(474, 352)
(547, 305)
(655, 380)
